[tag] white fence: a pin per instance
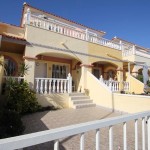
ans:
(18, 79)
(114, 85)
(63, 132)
(53, 85)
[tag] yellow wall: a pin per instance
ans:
(131, 103)
(98, 92)
(59, 100)
(135, 85)
(49, 38)
(98, 50)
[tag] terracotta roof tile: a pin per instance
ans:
(25, 4)
(13, 37)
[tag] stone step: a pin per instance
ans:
(79, 97)
(77, 106)
(82, 101)
(76, 94)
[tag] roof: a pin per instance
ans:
(25, 4)
(10, 24)
(13, 37)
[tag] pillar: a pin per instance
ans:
(83, 80)
(1, 71)
(120, 77)
(29, 77)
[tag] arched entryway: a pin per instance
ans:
(58, 66)
(106, 69)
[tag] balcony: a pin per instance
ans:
(57, 26)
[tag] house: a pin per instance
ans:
(65, 57)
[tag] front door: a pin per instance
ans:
(96, 73)
(40, 70)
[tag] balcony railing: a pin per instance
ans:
(53, 85)
(68, 30)
(114, 85)
(81, 129)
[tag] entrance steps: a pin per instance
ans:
(80, 100)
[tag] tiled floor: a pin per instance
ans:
(54, 119)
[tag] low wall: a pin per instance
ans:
(98, 92)
(135, 85)
(60, 100)
(131, 103)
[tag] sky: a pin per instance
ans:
(126, 19)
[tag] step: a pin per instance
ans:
(79, 97)
(76, 94)
(77, 106)
(82, 101)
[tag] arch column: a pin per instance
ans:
(29, 77)
(83, 80)
(120, 77)
(1, 71)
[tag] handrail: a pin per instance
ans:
(58, 133)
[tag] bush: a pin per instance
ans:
(140, 77)
(10, 124)
(21, 98)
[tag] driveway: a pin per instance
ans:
(54, 119)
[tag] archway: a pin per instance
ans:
(57, 65)
(106, 69)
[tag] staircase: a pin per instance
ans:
(80, 100)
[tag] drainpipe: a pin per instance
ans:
(129, 76)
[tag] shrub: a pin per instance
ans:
(10, 124)
(21, 98)
(140, 77)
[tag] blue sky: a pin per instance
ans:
(127, 19)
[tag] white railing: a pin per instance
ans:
(125, 86)
(53, 85)
(114, 85)
(18, 79)
(63, 132)
(129, 50)
(69, 30)
(111, 84)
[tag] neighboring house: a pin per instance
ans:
(54, 47)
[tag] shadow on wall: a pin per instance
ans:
(59, 100)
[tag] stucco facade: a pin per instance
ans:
(53, 47)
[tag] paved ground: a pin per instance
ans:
(54, 119)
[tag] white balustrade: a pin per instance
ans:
(57, 134)
(18, 79)
(53, 85)
(125, 86)
(70, 30)
(112, 85)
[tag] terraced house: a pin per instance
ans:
(72, 65)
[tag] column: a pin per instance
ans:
(83, 80)
(1, 71)
(29, 77)
(120, 77)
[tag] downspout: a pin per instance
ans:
(129, 72)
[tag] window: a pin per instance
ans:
(10, 67)
(59, 71)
